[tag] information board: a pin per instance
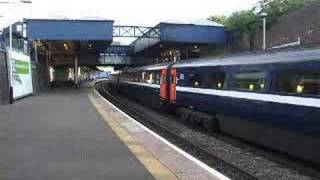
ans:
(21, 76)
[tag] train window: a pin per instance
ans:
(306, 83)
(137, 77)
(147, 77)
(134, 77)
(143, 75)
(151, 78)
(181, 76)
(158, 78)
(250, 81)
(196, 80)
(163, 80)
(154, 77)
(172, 80)
(216, 80)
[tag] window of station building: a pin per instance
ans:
(300, 83)
(250, 81)
(216, 80)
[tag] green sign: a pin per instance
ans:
(22, 67)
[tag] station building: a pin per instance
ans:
(48, 50)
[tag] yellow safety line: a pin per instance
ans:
(153, 165)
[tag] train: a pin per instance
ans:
(271, 99)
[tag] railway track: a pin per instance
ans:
(231, 156)
(205, 156)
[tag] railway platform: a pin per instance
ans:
(77, 134)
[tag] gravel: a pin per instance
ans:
(257, 161)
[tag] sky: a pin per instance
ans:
(124, 12)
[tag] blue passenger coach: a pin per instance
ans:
(271, 99)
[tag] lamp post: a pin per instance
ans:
(10, 47)
(264, 24)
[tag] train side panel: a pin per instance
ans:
(271, 120)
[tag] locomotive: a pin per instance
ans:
(271, 99)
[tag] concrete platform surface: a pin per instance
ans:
(60, 136)
(181, 164)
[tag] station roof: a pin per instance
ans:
(197, 22)
(185, 33)
(89, 38)
(69, 30)
(67, 38)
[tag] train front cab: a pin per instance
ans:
(173, 82)
(163, 86)
(167, 89)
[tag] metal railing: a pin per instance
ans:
(136, 31)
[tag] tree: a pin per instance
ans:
(218, 19)
(278, 8)
(246, 20)
(241, 21)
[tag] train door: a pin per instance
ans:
(173, 82)
(163, 85)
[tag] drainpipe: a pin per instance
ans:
(76, 81)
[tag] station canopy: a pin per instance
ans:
(66, 39)
(183, 33)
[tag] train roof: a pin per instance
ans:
(151, 67)
(288, 56)
(254, 58)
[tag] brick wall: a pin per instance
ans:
(303, 24)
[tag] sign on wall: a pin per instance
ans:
(21, 76)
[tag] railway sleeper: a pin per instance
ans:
(208, 121)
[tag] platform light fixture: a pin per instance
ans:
(264, 24)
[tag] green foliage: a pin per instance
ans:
(218, 19)
(241, 21)
(247, 20)
(278, 8)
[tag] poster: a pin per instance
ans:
(21, 76)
